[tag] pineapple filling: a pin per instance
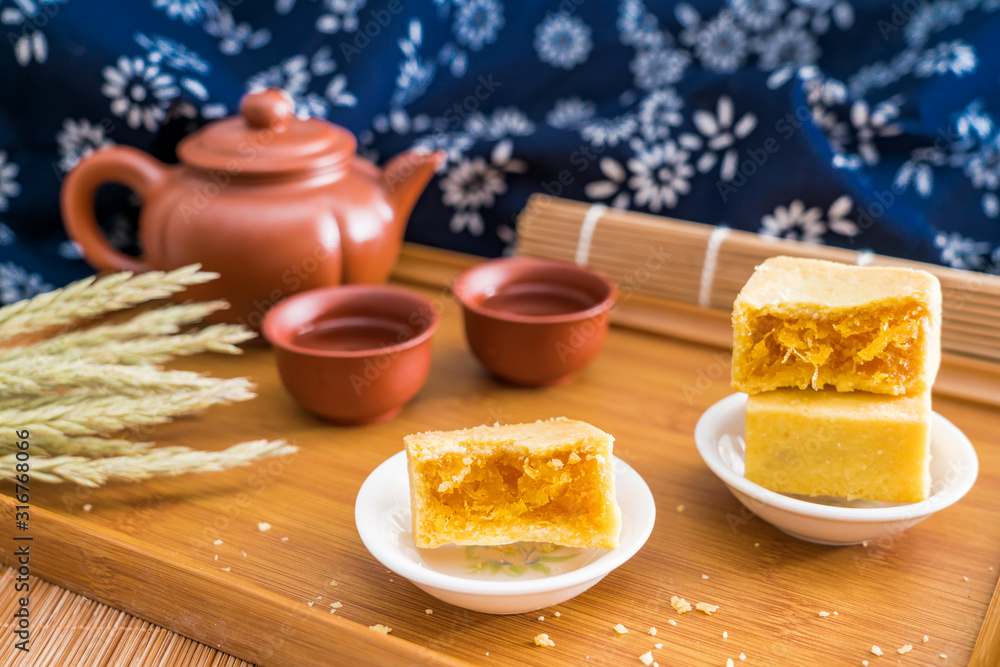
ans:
(878, 344)
(467, 491)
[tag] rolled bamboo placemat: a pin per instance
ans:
(658, 260)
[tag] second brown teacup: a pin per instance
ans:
(353, 354)
(534, 322)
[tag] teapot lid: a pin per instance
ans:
(267, 138)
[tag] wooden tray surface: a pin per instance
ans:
(148, 549)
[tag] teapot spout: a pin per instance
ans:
(405, 178)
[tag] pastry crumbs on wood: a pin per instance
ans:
(729, 662)
(965, 578)
(646, 658)
(680, 604)
(88, 507)
(557, 614)
(657, 645)
(226, 569)
(680, 509)
(428, 611)
(725, 634)
(333, 582)
(707, 608)
(865, 663)
(743, 656)
(651, 632)
(926, 639)
(704, 576)
(284, 539)
(337, 605)
(217, 543)
(541, 618)
(621, 629)
(263, 526)
(876, 650)
(671, 621)
(543, 640)
(216, 557)
(903, 650)
(943, 655)
(310, 603)
(824, 614)
(378, 627)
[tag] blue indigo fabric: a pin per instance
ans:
(859, 124)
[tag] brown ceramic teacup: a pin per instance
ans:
(353, 354)
(534, 322)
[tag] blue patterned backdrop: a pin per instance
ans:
(867, 125)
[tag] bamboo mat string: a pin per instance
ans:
(590, 220)
(715, 240)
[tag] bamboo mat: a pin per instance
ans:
(69, 629)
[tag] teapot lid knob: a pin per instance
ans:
(271, 109)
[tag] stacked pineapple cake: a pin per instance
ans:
(838, 362)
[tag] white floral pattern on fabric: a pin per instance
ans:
(807, 225)
(28, 17)
(139, 91)
(77, 139)
(659, 68)
(340, 16)
(9, 187)
(296, 75)
(758, 14)
(720, 44)
(165, 51)
(16, 283)
(660, 175)
(719, 133)
(570, 113)
(473, 184)
(609, 131)
(961, 252)
(659, 112)
(563, 41)
(7, 235)
(478, 22)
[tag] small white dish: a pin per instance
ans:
(835, 522)
(513, 579)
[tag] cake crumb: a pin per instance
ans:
(378, 627)
(333, 611)
(310, 603)
(836, 614)
(756, 544)
(729, 662)
(557, 614)
(541, 618)
(88, 507)
(991, 568)
(707, 608)
(428, 611)
(680, 509)
(337, 605)
(865, 663)
(906, 648)
(621, 629)
(743, 656)
(725, 634)
(263, 526)
(217, 543)
(965, 578)
(824, 614)
(680, 604)
(657, 645)
(244, 553)
(319, 597)
(704, 576)
(943, 655)
(876, 650)
(333, 582)
(646, 658)
(226, 569)
(652, 632)
(284, 539)
(926, 639)
(216, 557)
(671, 621)
(543, 640)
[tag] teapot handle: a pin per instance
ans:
(117, 164)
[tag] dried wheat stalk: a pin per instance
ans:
(75, 390)
(162, 462)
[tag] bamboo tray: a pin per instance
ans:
(148, 549)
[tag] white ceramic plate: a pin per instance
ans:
(512, 579)
(954, 467)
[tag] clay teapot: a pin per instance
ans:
(273, 203)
